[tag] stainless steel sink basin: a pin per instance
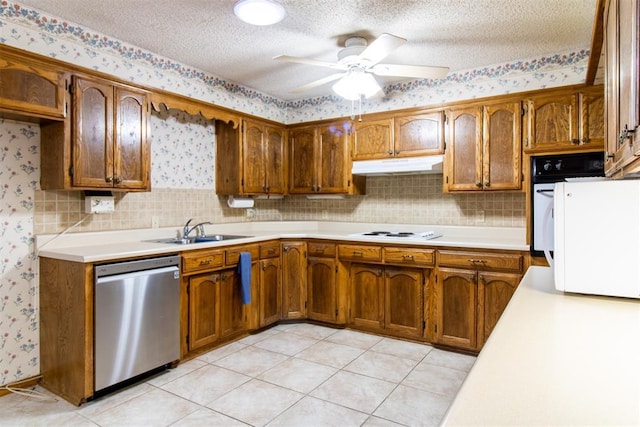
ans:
(202, 239)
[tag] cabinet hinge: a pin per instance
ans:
(71, 89)
(66, 109)
(524, 109)
(444, 146)
(305, 305)
(336, 312)
(446, 118)
(447, 179)
(188, 289)
(305, 254)
(70, 170)
(526, 142)
(424, 325)
(187, 340)
(435, 328)
(349, 183)
(336, 268)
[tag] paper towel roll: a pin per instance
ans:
(240, 202)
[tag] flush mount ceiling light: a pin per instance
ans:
(357, 83)
(259, 12)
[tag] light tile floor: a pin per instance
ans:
(290, 375)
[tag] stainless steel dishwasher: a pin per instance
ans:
(137, 318)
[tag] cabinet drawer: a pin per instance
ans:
(270, 250)
(360, 253)
(321, 249)
(409, 256)
(202, 261)
(233, 255)
(481, 260)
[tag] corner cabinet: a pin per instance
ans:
(622, 71)
(483, 151)
(565, 121)
(109, 146)
(250, 160)
(320, 162)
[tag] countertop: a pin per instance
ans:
(555, 359)
(101, 246)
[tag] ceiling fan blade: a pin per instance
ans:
(317, 83)
(415, 71)
(381, 47)
(307, 61)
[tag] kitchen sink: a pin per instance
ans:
(200, 239)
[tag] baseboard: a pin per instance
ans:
(26, 383)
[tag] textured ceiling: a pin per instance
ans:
(460, 34)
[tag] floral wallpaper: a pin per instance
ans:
(182, 151)
(19, 174)
(182, 147)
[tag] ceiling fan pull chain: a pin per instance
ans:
(360, 108)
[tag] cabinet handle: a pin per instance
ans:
(109, 179)
(264, 267)
(285, 248)
(205, 261)
(357, 253)
(478, 261)
(407, 257)
(271, 251)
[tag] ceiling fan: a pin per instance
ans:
(358, 61)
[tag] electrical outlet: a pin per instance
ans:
(250, 213)
(480, 216)
(325, 214)
(155, 222)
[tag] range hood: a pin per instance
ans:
(399, 166)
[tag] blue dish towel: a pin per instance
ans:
(244, 268)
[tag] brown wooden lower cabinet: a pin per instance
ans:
(294, 279)
(322, 291)
(387, 299)
(232, 321)
(468, 304)
(204, 309)
(270, 291)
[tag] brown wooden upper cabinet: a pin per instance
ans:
(483, 151)
(400, 136)
(250, 160)
(622, 71)
(319, 160)
(32, 88)
(108, 147)
(565, 121)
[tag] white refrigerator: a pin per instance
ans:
(597, 237)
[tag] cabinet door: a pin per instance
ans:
(204, 309)
(373, 140)
(456, 304)
(403, 306)
(232, 319)
(93, 136)
(275, 161)
(494, 293)
(270, 291)
(333, 166)
(463, 163)
(502, 139)
(419, 135)
(367, 297)
(322, 291)
(131, 150)
(253, 153)
(294, 280)
(302, 171)
(553, 123)
(592, 118)
(31, 88)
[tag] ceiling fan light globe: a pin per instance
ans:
(356, 84)
(259, 12)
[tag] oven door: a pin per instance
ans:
(542, 218)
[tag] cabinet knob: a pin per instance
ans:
(478, 184)
(575, 141)
(585, 140)
(390, 152)
(285, 248)
(109, 179)
(118, 180)
(487, 184)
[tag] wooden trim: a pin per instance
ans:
(597, 40)
(194, 107)
(26, 383)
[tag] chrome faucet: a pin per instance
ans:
(200, 226)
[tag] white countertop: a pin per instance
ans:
(112, 245)
(555, 359)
